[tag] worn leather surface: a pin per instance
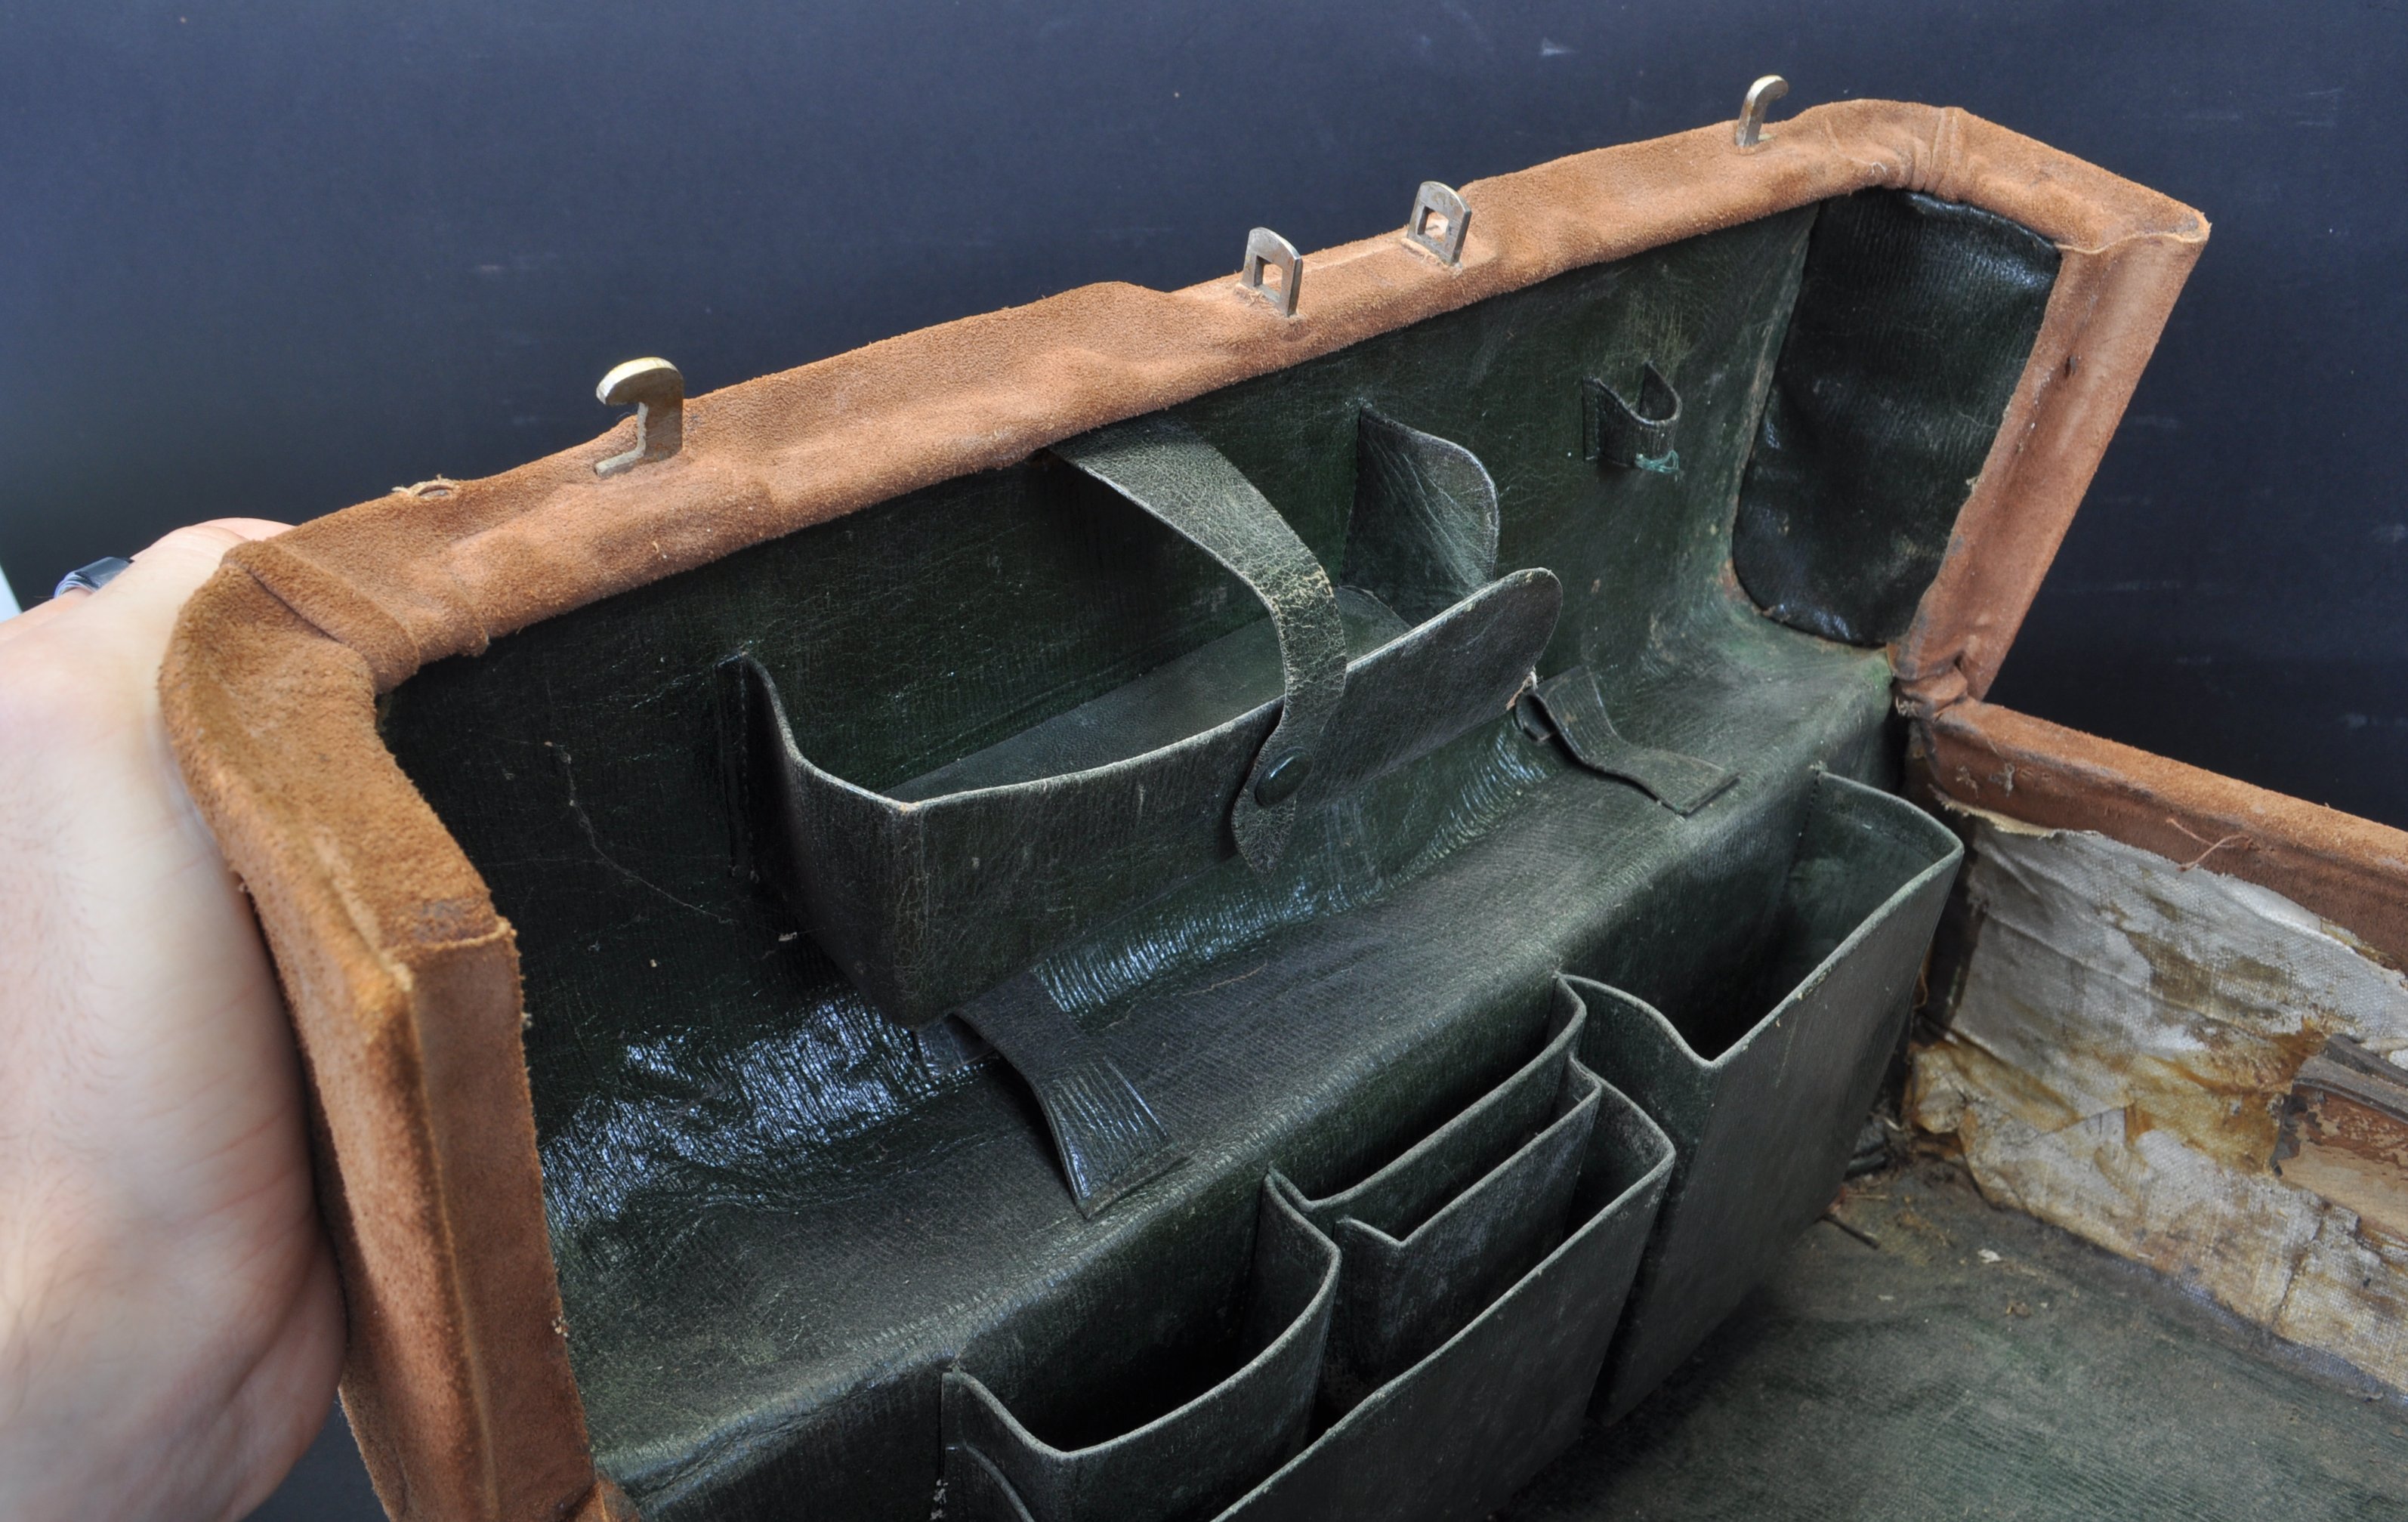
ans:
(1568, 707)
(1431, 1240)
(1909, 338)
(1161, 465)
(1107, 1136)
(1532, 1275)
(1422, 535)
(1763, 1109)
(1529, 1260)
(864, 1221)
(703, 1377)
(926, 902)
(1457, 1434)
(776, 1225)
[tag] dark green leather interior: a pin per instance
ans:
(1888, 399)
(794, 1240)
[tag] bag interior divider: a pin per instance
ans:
(1482, 1350)
(1112, 1460)
(1457, 1432)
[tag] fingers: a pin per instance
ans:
(146, 594)
(190, 554)
(168, 1304)
(79, 683)
(149, 593)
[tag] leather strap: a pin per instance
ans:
(1573, 705)
(1168, 470)
(1107, 1136)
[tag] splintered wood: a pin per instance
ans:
(2120, 1059)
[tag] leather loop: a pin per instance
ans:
(1423, 535)
(1165, 467)
(1107, 1139)
(1635, 438)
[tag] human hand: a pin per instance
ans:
(170, 1327)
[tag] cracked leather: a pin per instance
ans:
(1422, 535)
(1911, 332)
(1161, 464)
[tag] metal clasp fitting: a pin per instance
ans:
(1439, 202)
(657, 393)
(1266, 251)
(1760, 97)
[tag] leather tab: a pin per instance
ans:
(1167, 468)
(1638, 437)
(1107, 1136)
(1422, 533)
(1576, 710)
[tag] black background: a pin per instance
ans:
(274, 258)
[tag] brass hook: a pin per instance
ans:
(1760, 97)
(657, 393)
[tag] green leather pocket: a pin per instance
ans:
(1180, 1465)
(1434, 1237)
(1763, 1092)
(1459, 1430)
(930, 891)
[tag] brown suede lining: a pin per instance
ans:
(2351, 871)
(403, 979)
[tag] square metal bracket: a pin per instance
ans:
(1438, 202)
(1266, 251)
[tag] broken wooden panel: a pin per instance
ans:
(2119, 1058)
(2344, 1133)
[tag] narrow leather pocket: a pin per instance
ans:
(1186, 1463)
(1456, 1433)
(1763, 1094)
(1434, 1237)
